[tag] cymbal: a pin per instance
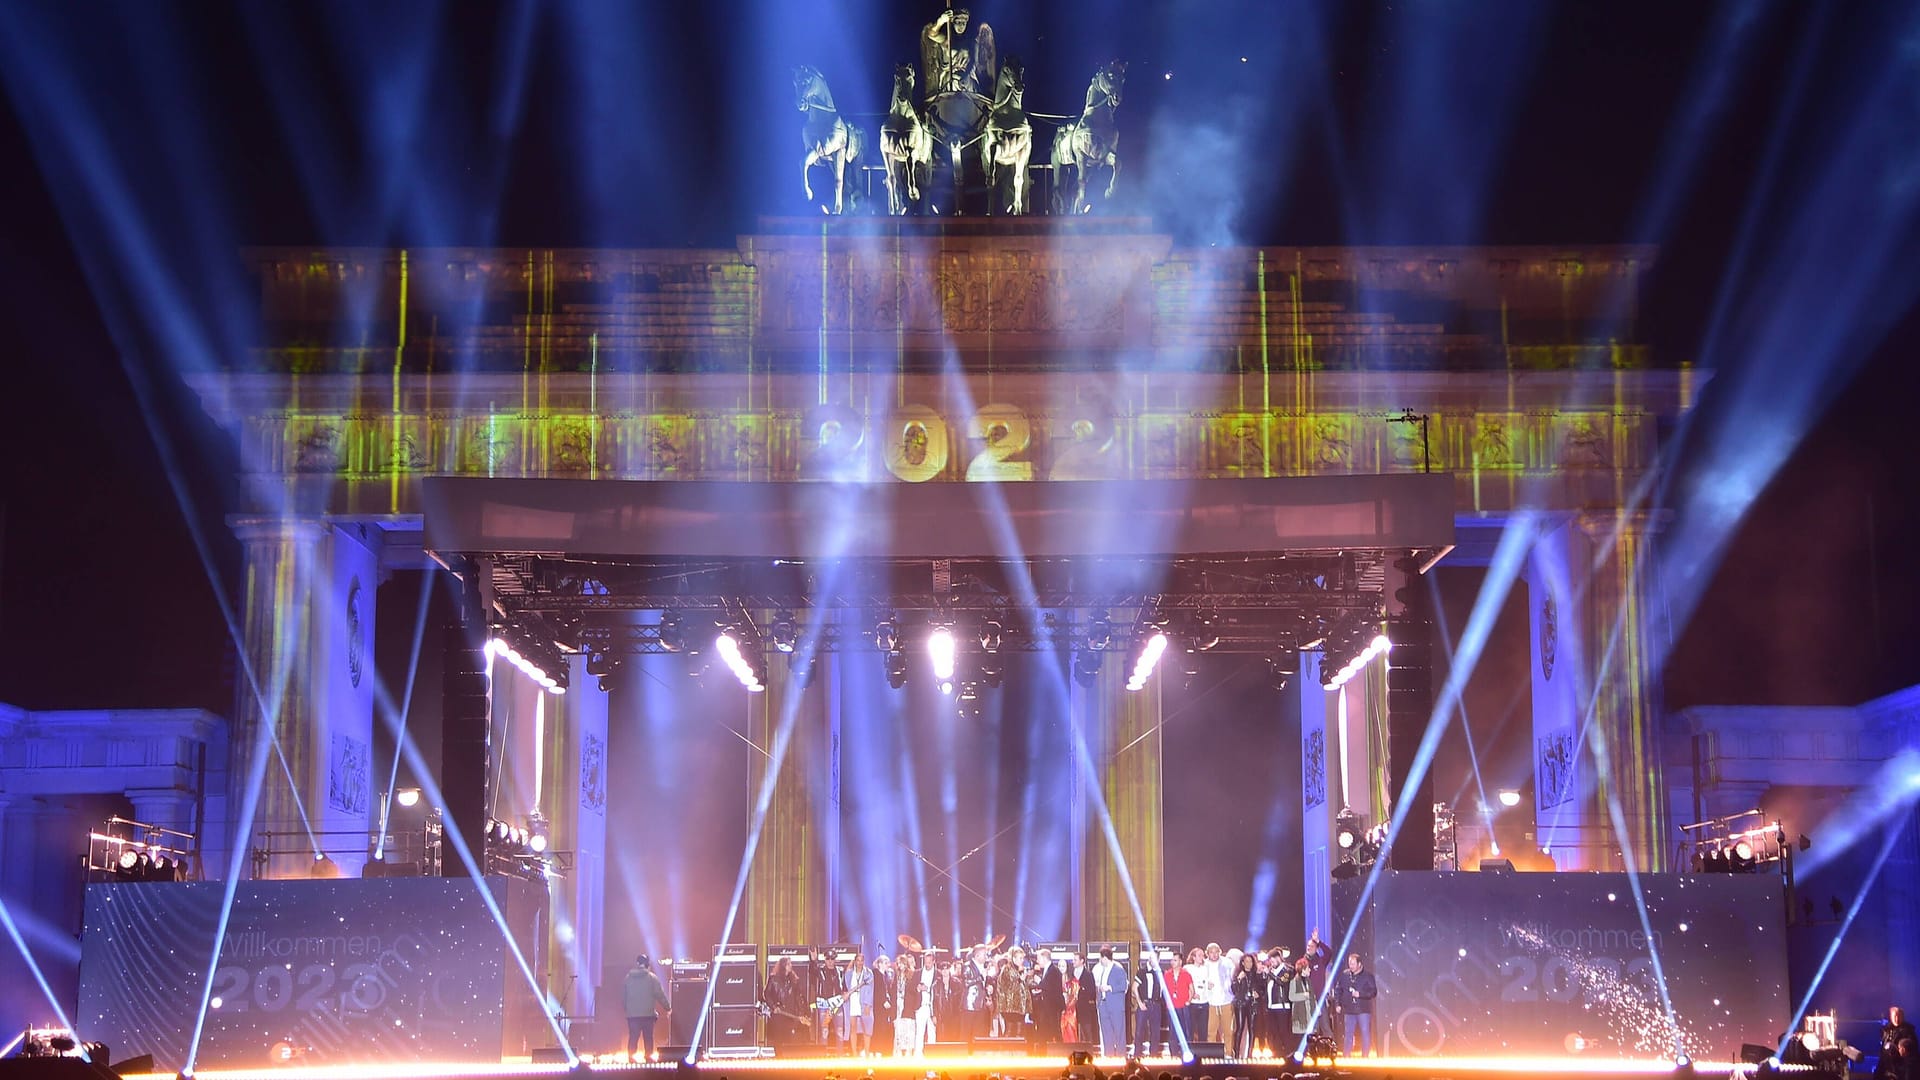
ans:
(911, 943)
(993, 943)
(933, 949)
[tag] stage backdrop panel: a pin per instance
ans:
(1483, 963)
(351, 970)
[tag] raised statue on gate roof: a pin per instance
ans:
(957, 56)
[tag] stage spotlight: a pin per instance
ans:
(672, 637)
(991, 673)
(783, 633)
(1806, 842)
(1149, 658)
(407, 796)
(129, 859)
(1206, 631)
(896, 669)
(1348, 829)
(1086, 667)
(990, 637)
(941, 647)
(886, 636)
(1509, 797)
(1099, 632)
(538, 842)
(1281, 668)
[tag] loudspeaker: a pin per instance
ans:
(985, 1044)
(686, 997)
(141, 1064)
(946, 1049)
(1754, 1053)
(1409, 707)
(733, 1027)
(736, 981)
(1065, 1050)
(672, 1052)
(549, 1055)
(1496, 866)
(1208, 1051)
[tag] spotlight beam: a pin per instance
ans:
(1887, 842)
(40, 978)
(1508, 557)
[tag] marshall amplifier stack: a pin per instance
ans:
(734, 1027)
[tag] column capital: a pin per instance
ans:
(1600, 524)
(274, 528)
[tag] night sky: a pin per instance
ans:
(658, 124)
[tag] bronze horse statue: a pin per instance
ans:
(1092, 140)
(829, 140)
(906, 145)
(1008, 138)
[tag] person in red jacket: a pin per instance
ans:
(1179, 996)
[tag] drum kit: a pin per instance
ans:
(911, 944)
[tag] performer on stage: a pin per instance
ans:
(886, 991)
(916, 1006)
(949, 1004)
(1011, 995)
(1353, 992)
(786, 1002)
(1279, 1018)
(1111, 979)
(646, 1003)
(1301, 996)
(1179, 1002)
(1249, 1000)
(979, 1001)
(1219, 995)
(1201, 976)
(856, 1010)
(825, 990)
(1048, 1000)
(1149, 1005)
(1086, 1003)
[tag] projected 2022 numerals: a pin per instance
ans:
(1596, 981)
(916, 444)
(280, 988)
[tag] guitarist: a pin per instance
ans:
(785, 999)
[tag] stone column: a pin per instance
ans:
(1567, 827)
(1627, 639)
(575, 806)
(1122, 734)
(1323, 740)
(785, 901)
(274, 720)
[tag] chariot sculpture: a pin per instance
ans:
(973, 111)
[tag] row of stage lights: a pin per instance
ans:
(740, 650)
(509, 837)
(499, 647)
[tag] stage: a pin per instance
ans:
(1009, 1067)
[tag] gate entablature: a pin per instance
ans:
(1058, 295)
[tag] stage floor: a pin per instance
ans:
(1002, 1066)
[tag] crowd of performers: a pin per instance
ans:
(1268, 1001)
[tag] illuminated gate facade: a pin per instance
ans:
(927, 353)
